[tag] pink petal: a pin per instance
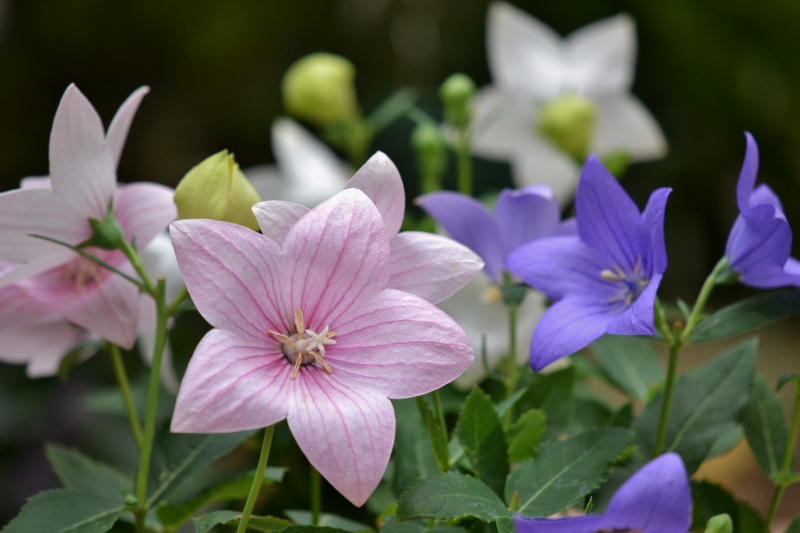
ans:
(232, 384)
(276, 218)
(82, 169)
(381, 182)
(346, 433)
(121, 123)
(398, 345)
(144, 210)
(19, 309)
(430, 266)
(234, 276)
(336, 255)
(41, 346)
(36, 182)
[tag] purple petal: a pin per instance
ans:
(380, 180)
(525, 215)
(398, 345)
(568, 325)
(144, 210)
(232, 384)
(764, 195)
(467, 221)
(651, 233)
(41, 345)
(759, 246)
(638, 318)
(121, 123)
(655, 499)
(607, 217)
(567, 227)
(577, 524)
(276, 218)
(347, 434)
(747, 176)
(431, 266)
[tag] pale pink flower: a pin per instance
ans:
(318, 297)
(430, 266)
(82, 184)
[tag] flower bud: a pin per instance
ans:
(217, 189)
(721, 523)
(431, 150)
(568, 121)
(319, 88)
(108, 234)
(456, 93)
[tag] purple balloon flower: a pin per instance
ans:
(656, 499)
(760, 241)
(605, 279)
(519, 217)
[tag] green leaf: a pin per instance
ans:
(231, 489)
(794, 527)
(524, 435)
(303, 518)
(552, 393)
(481, 435)
(436, 433)
(706, 403)
(786, 378)
(565, 471)
(177, 456)
(623, 417)
(81, 473)
(630, 363)
(785, 478)
(66, 511)
(451, 496)
(391, 525)
(726, 441)
(206, 522)
(413, 455)
(762, 418)
(590, 413)
(711, 500)
(747, 315)
(505, 524)
(503, 407)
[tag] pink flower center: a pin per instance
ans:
(305, 346)
(81, 273)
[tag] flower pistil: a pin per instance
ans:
(305, 345)
(631, 285)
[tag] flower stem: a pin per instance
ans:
(437, 404)
(316, 496)
(125, 389)
(257, 480)
(674, 353)
(702, 299)
(512, 373)
(172, 309)
(152, 403)
(464, 155)
(133, 257)
(786, 465)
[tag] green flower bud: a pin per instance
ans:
(431, 150)
(319, 88)
(568, 121)
(217, 189)
(721, 523)
(108, 234)
(456, 94)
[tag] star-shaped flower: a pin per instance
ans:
(656, 499)
(761, 240)
(275, 305)
(605, 279)
(82, 184)
(533, 67)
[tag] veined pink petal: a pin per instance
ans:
(346, 433)
(234, 276)
(121, 123)
(41, 345)
(431, 266)
(398, 345)
(276, 218)
(233, 384)
(380, 180)
(19, 309)
(82, 169)
(144, 210)
(335, 256)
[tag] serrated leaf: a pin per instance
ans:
(552, 393)
(391, 525)
(711, 500)
(524, 435)
(206, 522)
(505, 524)
(762, 418)
(177, 456)
(705, 404)
(66, 511)
(436, 433)
(413, 455)
(747, 315)
(629, 363)
(303, 518)
(565, 471)
(451, 496)
(78, 472)
(481, 435)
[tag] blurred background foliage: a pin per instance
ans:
(707, 70)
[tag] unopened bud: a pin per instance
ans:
(108, 234)
(217, 189)
(721, 523)
(568, 121)
(319, 88)
(431, 150)
(456, 93)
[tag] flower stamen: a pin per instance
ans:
(305, 346)
(631, 285)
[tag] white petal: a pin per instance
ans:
(276, 218)
(602, 56)
(267, 180)
(623, 123)
(543, 164)
(504, 123)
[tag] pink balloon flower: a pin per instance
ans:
(307, 330)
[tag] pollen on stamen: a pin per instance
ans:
(305, 346)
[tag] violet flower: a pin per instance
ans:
(307, 331)
(656, 499)
(760, 241)
(82, 184)
(605, 279)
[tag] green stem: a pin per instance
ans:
(777, 496)
(437, 405)
(674, 353)
(125, 388)
(702, 299)
(316, 496)
(257, 480)
(464, 164)
(152, 404)
(661, 322)
(133, 257)
(786, 465)
(172, 309)
(512, 374)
